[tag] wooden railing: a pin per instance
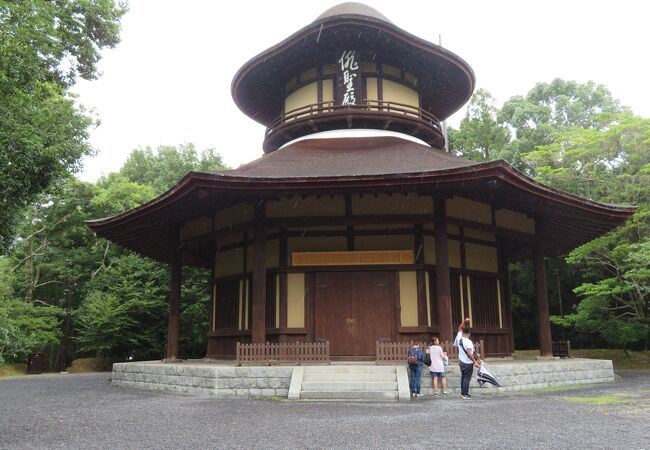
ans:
(562, 349)
(394, 108)
(396, 352)
(283, 353)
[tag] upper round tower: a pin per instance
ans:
(352, 68)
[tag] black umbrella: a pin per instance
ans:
(485, 376)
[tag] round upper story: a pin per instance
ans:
(352, 68)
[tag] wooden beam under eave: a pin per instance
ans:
(343, 220)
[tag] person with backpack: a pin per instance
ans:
(467, 360)
(461, 327)
(415, 360)
(437, 366)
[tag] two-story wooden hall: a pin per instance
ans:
(356, 239)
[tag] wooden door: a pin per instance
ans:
(354, 309)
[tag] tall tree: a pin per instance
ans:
(551, 107)
(608, 162)
(577, 138)
(44, 47)
(164, 167)
(480, 137)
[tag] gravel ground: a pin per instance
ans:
(85, 411)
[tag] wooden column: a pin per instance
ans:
(541, 293)
(420, 277)
(284, 289)
(174, 300)
(350, 228)
(505, 291)
(443, 283)
(259, 275)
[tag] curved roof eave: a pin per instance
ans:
(494, 169)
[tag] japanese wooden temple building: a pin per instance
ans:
(357, 239)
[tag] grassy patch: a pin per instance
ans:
(13, 370)
(566, 387)
(615, 399)
(92, 365)
(621, 359)
(275, 398)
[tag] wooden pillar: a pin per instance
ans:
(174, 299)
(443, 283)
(350, 228)
(420, 277)
(259, 275)
(284, 289)
(505, 285)
(541, 293)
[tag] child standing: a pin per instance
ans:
(437, 367)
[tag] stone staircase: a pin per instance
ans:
(349, 382)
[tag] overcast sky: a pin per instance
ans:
(168, 81)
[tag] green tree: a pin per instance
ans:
(577, 138)
(608, 162)
(616, 293)
(58, 261)
(125, 309)
(163, 168)
(44, 47)
(480, 137)
(24, 327)
(551, 107)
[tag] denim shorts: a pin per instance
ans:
(437, 374)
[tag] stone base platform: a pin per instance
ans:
(224, 379)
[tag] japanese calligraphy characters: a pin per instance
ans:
(348, 78)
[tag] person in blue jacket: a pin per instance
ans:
(415, 359)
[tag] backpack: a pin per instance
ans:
(412, 357)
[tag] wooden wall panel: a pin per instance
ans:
(227, 305)
(408, 295)
(296, 300)
(485, 308)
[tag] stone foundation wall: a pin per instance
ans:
(205, 380)
(533, 374)
(227, 381)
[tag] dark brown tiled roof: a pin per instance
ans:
(352, 165)
(341, 157)
(445, 80)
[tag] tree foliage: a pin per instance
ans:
(480, 136)
(124, 310)
(163, 168)
(577, 138)
(44, 47)
(114, 302)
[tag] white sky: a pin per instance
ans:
(168, 81)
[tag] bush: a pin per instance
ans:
(26, 328)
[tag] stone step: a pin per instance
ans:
(349, 395)
(349, 386)
(349, 369)
(324, 376)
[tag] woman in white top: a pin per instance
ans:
(437, 367)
